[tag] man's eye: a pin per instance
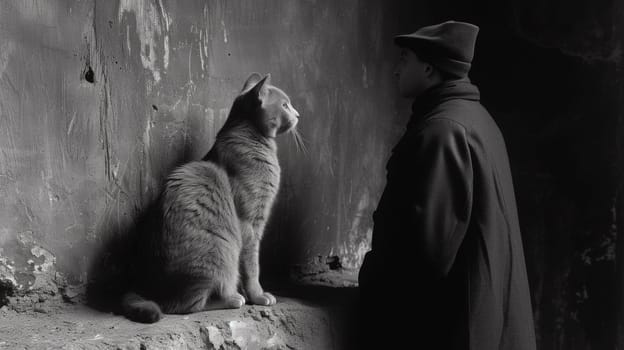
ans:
(285, 105)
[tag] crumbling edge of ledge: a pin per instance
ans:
(290, 324)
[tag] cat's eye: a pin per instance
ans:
(285, 104)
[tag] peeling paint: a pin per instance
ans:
(128, 45)
(32, 270)
(205, 42)
(149, 124)
(201, 51)
(44, 271)
(70, 127)
(149, 29)
(167, 20)
(225, 36)
(353, 251)
(7, 272)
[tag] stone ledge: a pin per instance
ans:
(290, 324)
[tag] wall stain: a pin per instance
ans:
(151, 24)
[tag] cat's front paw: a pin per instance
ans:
(236, 301)
(265, 299)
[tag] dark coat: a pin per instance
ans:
(447, 250)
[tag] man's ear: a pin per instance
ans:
(429, 70)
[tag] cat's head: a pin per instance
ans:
(268, 106)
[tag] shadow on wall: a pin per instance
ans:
(284, 226)
(116, 264)
(110, 274)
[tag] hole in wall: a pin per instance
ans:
(333, 262)
(89, 75)
(7, 289)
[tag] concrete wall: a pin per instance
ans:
(551, 74)
(99, 100)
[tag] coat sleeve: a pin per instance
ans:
(441, 193)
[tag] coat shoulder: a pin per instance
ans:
(470, 116)
(438, 129)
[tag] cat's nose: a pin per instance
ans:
(296, 112)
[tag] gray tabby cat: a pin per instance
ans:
(214, 212)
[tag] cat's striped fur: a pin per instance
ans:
(205, 250)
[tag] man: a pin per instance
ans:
(446, 269)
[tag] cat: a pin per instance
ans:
(203, 249)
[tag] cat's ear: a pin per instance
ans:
(259, 89)
(253, 79)
(267, 79)
(256, 83)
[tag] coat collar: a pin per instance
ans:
(448, 90)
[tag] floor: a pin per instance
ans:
(307, 316)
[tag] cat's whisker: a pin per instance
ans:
(303, 146)
(303, 139)
(303, 142)
(299, 141)
(295, 138)
(297, 145)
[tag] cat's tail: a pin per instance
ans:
(139, 309)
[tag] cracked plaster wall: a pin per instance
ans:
(99, 100)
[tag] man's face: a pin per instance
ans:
(411, 73)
